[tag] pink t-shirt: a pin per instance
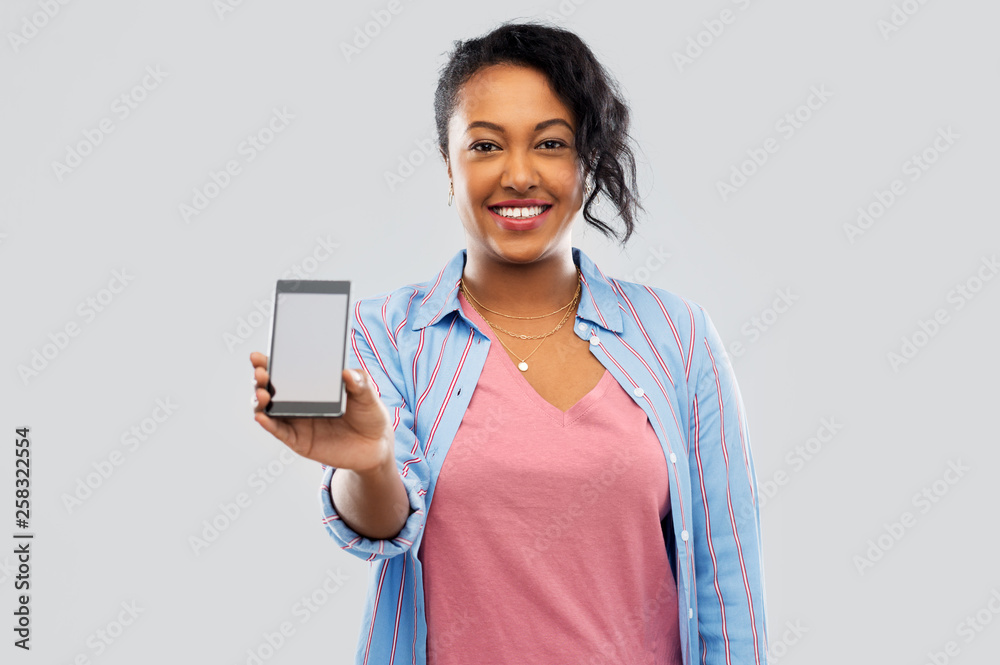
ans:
(542, 543)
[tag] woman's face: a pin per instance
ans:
(511, 142)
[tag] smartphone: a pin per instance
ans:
(308, 348)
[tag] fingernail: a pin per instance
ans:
(357, 376)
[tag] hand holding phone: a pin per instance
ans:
(354, 430)
(362, 439)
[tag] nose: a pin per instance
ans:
(519, 172)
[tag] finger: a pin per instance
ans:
(276, 428)
(359, 385)
(258, 359)
(263, 397)
(260, 377)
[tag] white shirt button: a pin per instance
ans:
(594, 341)
(638, 392)
(582, 327)
(684, 535)
(673, 458)
(690, 613)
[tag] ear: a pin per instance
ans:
(444, 156)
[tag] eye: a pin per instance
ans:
(475, 146)
(557, 142)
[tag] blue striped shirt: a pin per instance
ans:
(425, 357)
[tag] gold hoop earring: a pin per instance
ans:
(588, 188)
(451, 193)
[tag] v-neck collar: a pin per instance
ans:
(557, 415)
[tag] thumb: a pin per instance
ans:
(358, 385)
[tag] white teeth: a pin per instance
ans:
(517, 213)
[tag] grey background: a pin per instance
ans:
(168, 334)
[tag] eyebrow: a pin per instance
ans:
(497, 128)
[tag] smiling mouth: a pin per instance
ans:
(520, 212)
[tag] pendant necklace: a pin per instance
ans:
(522, 364)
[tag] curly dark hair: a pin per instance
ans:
(602, 140)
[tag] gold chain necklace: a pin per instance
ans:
(497, 326)
(579, 286)
(576, 297)
(522, 365)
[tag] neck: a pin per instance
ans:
(522, 289)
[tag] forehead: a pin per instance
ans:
(508, 95)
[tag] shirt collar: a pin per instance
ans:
(598, 302)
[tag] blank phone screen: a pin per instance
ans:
(308, 347)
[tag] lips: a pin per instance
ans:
(520, 223)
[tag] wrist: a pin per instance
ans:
(386, 462)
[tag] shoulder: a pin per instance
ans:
(677, 321)
(668, 303)
(388, 309)
(652, 305)
(391, 313)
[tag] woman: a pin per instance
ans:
(594, 496)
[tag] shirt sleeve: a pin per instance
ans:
(375, 352)
(725, 514)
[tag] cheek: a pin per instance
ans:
(568, 181)
(477, 185)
